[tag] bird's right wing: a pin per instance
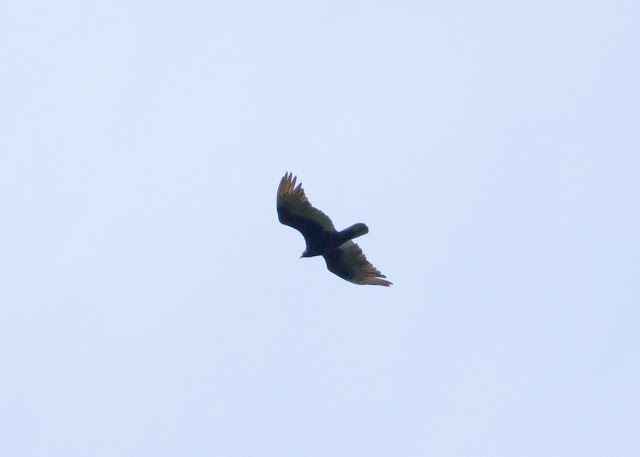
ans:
(295, 210)
(350, 263)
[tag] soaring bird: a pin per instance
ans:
(343, 257)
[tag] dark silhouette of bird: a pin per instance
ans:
(343, 257)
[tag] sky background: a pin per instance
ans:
(152, 305)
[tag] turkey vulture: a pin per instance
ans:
(343, 257)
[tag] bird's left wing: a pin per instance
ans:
(350, 263)
(295, 210)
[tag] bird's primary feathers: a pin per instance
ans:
(343, 257)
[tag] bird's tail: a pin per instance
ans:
(352, 232)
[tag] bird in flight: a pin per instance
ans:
(343, 257)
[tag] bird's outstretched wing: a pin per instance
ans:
(350, 263)
(295, 210)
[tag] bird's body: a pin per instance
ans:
(328, 240)
(343, 257)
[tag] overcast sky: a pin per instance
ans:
(152, 305)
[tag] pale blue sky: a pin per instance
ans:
(152, 305)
